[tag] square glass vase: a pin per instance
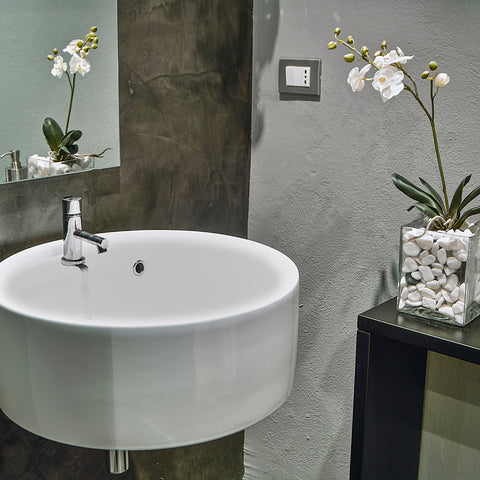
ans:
(439, 274)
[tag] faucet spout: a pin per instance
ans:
(74, 236)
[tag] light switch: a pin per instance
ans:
(297, 76)
(299, 79)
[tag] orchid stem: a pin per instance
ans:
(72, 91)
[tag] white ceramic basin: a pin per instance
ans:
(200, 345)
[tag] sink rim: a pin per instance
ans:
(54, 249)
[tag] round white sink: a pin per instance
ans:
(170, 338)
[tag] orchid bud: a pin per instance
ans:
(441, 80)
(349, 57)
(337, 31)
(80, 43)
(93, 29)
(377, 53)
(94, 46)
(55, 51)
(364, 50)
(384, 45)
(95, 40)
(349, 39)
(425, 74)
(50, 57)
(332, 45)
(433, 66)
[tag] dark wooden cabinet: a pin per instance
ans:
(391, 360)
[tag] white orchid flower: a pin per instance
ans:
(72, 47)
(388, 81)
(441, 80)
(59, 67)
(394, 56)
(356, 78)
(79, 64)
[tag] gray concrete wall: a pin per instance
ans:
(321, 192)
(185, 69)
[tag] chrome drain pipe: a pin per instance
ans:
(118, 461)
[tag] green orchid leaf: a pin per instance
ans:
(467, 214)
(425, 209)
(436, 196)
(457, 197)
(71, 137)
(416, 193)
(471, 196)
(53, 133)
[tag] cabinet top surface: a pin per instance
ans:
(458, 342)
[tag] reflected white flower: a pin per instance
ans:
(59, 67)
(394, 56)
(356, 78)
(388, 81)
(441, 80)
(72, 47)
(79, 64)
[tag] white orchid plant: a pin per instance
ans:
(390, 79)
(62, 143)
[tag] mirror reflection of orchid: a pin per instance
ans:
(390, 78)
(62, 142)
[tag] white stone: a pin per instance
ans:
(454, 295)
(413, 304)
(412, 288)
(459, 319)
(433, 285)
(409, 265)
(401, 303)
(454, 263)
(420, 286)
(446, 242)
(442, 256)
(446, 296)
(430, 303)
(428, 259)
(411, 248)
(414, 296)
(437, 271)
(440, 302)
(404, 293)
(461, 295)
(452, 282)
(426, 272)
(427, 292)
(458, 307)
(442, 279)
(416, 275)
(447, 311)
(403, 281)
(448, 271)
(435, 248)
(437, 265)
(461, 255)
(425, 241)
(414, 233)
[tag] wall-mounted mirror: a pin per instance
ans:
(29, 31)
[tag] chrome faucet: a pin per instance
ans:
(73, 235)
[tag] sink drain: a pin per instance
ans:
(139, 267)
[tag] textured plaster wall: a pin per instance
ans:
(321, 192)
(185, 115)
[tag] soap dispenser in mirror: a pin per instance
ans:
(15, 171)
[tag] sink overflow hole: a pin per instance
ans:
(139, 267)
